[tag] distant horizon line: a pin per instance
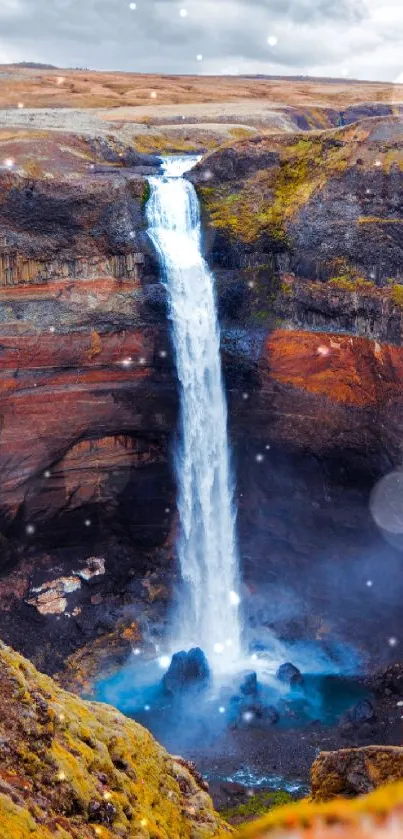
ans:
(35, 65)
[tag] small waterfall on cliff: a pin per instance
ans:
(209, 605)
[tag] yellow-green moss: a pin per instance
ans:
(68, 756)
(377, 220)
(241, 132)
(397, 294)
(336, 813)
(17, 823)
(270, 198)
(173, 142)
(344, 283)
(146, 194)
(257, 805)
(286, 289)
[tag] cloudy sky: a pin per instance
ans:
(351, 38)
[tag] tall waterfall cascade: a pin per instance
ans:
(208, 606)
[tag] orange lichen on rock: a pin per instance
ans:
(351, 772)
(104, 655)
(347, 370)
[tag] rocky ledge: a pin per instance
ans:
(76, 769)
(312, 224)
(371, 817)
(80, 769)
(352, 772)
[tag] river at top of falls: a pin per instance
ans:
(207, 614)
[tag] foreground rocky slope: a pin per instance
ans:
(348, 773)
(76, 769)
(376, 816)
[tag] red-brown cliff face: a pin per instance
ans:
(88, 410)
(304, 235)
(334, 392)
(88, 399)
(64, 396)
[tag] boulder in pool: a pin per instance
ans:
(249, 686)
(361, 713)
(289, 674)
(187, 670)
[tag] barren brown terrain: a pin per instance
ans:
(177, 114)
(89, 89)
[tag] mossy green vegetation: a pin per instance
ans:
(271, 197)
(175, 142)
(241, 132)
(377, 220)
(347, 282)
(341, 816)
(257, 805)
(81, 769)
(397, 294)
(263, 203)
(146, 194)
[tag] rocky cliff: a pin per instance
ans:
(76, 769)
(320, 207)
(303, 233)
(88, 396)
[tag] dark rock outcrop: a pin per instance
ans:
(249, 686)
(352, 772)
(290, 675)
(324, 207)
(389, 682)
(187, 671)
(363, 712)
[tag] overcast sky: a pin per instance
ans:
(351, 38)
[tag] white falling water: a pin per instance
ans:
(209, 603)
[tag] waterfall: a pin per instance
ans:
(208, 607)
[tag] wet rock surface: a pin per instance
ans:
(187, 671)
(290, 674)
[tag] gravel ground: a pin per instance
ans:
(70, 120)
(218, 118)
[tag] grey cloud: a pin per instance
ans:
(106, 34)
(308, 11)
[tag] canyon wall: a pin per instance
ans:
(304, 235)
(88, 395)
